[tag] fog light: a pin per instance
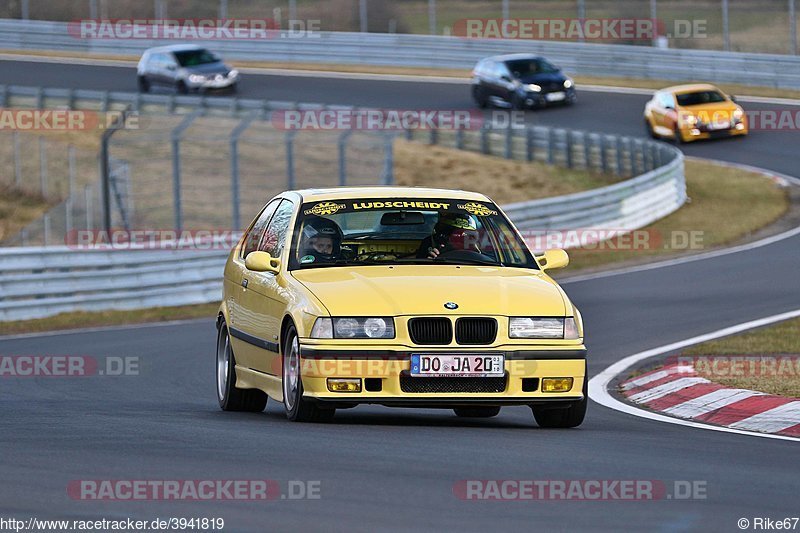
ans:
(556, 384)
(344, 384)
(694, 131)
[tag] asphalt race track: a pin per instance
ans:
(396, 469)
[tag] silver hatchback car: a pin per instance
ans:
(185, 68)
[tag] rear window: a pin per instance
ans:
(699, 98)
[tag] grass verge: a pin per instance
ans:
(725, 205)
(18, 209)
(81, 319)
(780, 342)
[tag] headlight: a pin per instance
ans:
(690, 119)
(542, 328)
(233, 73)
(196, 78)
(738, 114)
(533, 87)
(568, 83)
(353, 328)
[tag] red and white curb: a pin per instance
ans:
(678, 390)
(600, 387)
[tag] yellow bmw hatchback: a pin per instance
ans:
(407, 297)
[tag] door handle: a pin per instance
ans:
(244, 283)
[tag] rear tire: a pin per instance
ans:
(298, 409)
(144, 85)
(569, 417)
(230, 398)
(476, 412)
(181, 88)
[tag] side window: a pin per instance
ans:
(665, 100)
(256, 231)
(275, 236)
(500, 70)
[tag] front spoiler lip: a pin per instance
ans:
(446, 402)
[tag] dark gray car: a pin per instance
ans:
(185, 68)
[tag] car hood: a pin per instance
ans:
(709, 109)
(555, 77)
(208, 68)
(423, 290)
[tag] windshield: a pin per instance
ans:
(700, 97)
(191, 58)
(523, 68)
(398, 231)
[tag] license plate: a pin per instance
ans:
(721, 125)
(460, 365)
(555, 97)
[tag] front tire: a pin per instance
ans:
(144, 85)
(230, 398)
(478, 94)
(181, 88)
(476, 412)
(569, 417)
(298, 409)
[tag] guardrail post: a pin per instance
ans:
(39, 98)
(4, 95)
(587, 150)
(46, 232)
(104, 102)
(290, 159)
(87, 200)
(529, 144)
(388, 160)
(42, 167)
(460, 138)
(603, 154)
(70, 99)
(433, 136)
(618, 152)
(234, 149)
(342, 146)
(17, 160)
(551, 146)
(176, 166)
(485, 140)
(70, 188)
(568, 148)
(509, 148)
(409, 134)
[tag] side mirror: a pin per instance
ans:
(505, 77)
(552, 259)
(172, 66)
(262, 262)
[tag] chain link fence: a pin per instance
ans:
(767, 26)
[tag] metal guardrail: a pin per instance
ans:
(439, 52)
(39, 282)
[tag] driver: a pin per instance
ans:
(321, 241)
(453, 231)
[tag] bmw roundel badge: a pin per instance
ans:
(451, 305)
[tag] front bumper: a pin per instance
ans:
(214, 83)
(690, 134)
(541, 99)
(385, 378)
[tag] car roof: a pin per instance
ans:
(689, 88)
(174, 48)
(342, 193)
(511, 57)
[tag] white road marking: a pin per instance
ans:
(777, 419)
(647, 396)
(710, 402)
(598, 385)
